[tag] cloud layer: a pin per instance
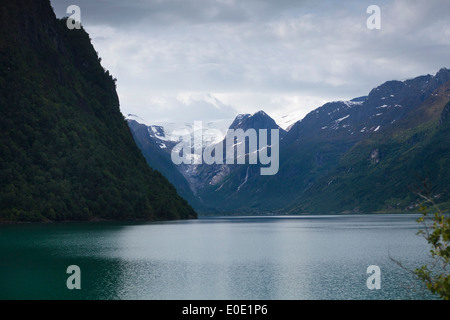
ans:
(205, 59)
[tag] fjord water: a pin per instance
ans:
(276, 257)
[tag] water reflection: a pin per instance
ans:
(308, 257)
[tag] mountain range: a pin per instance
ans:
(67, 153)
(368, 154)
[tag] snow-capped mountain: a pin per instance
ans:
(214, 175)
(382, 109)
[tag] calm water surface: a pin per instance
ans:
(289, 257)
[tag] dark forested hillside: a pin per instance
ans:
(66, 152)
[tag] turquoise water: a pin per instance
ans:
(254, 258)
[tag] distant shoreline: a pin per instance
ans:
(212, 215)
(93, 220)
(344, 213)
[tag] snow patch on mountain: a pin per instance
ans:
(340, 119)
(287, 121)
(211, 131)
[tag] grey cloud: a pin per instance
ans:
(191, 108)
(156, 12)
(121, 13)
(287, 47)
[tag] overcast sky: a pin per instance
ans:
(186, 60)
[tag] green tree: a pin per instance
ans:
(436, 231)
